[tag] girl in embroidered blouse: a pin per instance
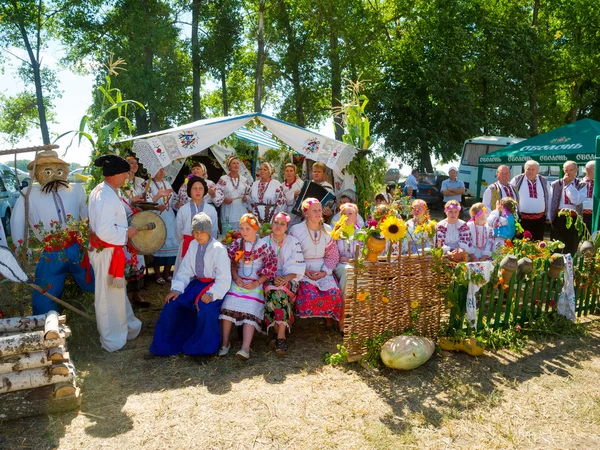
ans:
(421, 240)
(161, 192)
(452, 234)
(266, 195)
(281, 291)
(318, 294)
(504, 221)
(482, 235)
(253, 262)
(346, 247)
(292, 185)
(197, 169)
(232, 193)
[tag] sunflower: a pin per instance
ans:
(362, 296)
(393, 229)
(414, 304)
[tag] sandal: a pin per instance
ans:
(223, 351)
(160, 280)
(281, 347)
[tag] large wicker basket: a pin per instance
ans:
(390, 288)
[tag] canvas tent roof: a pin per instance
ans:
(575, 141)
(163, 148)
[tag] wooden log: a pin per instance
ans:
(61, 390)
(51, 330)
(33, 402)
(60, 369)
(31, 378)
(26, 323)
(58, 354)
(25, 361)
(29, 342)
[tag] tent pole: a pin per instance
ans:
(596, 201)
(479, 177)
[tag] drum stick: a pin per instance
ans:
(60, 302)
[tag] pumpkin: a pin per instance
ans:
(406, 352)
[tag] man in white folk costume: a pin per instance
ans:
(54, 204)
(109, 233)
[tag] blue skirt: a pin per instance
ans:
(182, 329)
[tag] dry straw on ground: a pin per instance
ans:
(546, 398)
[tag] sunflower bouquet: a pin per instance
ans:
(341, 229)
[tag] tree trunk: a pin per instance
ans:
(224, 92)
(197, 114)
(336, 81)
(25, 323)
(533, 97)
(141, 122)
(425, 163)
(37, 79)
(17, 363)
(37, 401)
(292, 64)
(260, 60)
(29, 342)
(32, 378)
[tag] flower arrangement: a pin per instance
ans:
(62, 235)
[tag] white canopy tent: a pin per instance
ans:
(169, 148)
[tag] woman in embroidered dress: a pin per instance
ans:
(266, 195)
(318, 294)
(346, 247)
(133, 192)
(420, 240)
(196, 189)
(197, 169)
(281, 291)
(232, 194)
(482, 235)
(452, 234)
(253, 262)
(292, 184)
(189, 321)
(161, 192)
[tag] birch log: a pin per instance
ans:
(51, 326)
(58, 354)
(25, 361)
(32, 402)
(31, 378)
(32, 341)
(20, 324)
(66, 389)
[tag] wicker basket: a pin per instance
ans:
(390, 288)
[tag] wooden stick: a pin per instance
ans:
(61, 302)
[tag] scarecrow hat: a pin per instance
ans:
(46, 157)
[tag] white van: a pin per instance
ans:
(472, 150)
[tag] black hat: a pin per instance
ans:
(193, 180)
(112, 165)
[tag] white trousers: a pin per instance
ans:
(114, 315)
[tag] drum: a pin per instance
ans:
(314, 190)
(152, 232)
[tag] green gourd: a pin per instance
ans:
(406, 352)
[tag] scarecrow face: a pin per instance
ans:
(51, 175)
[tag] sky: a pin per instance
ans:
(76, 98)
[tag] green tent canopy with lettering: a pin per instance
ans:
(573, 142)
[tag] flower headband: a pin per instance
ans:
(479, 213)
(307, 204)
(269, 166)
(453, 206)
(250, 221)
(282, 215)
(229, 159)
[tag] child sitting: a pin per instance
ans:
(504, 221)
(482, 235)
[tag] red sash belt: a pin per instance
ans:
(187, 239)
(587, 211)
(210, 282)
(117, 261)
(534, 216)
(72, 238)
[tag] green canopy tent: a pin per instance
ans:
(576, 141)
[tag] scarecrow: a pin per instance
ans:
(54, 206)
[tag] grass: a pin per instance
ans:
(546, 397)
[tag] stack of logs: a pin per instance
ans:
(36, 373)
